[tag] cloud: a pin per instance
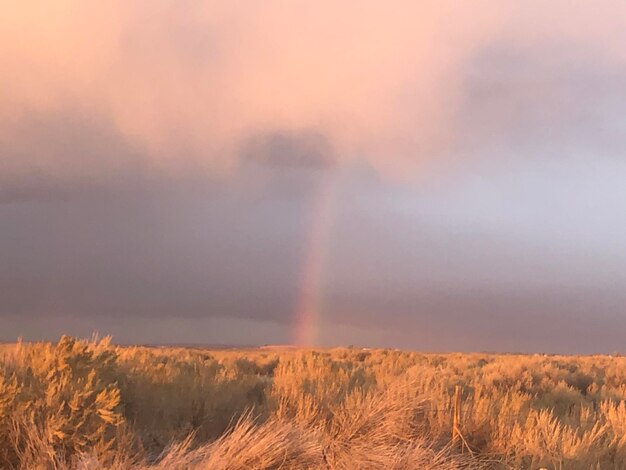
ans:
(544, 101)
(167, 159)
(92, 90)
(290, 150)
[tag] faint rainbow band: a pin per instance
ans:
(309, 303)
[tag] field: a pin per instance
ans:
(91, 405)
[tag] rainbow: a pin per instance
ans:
(309, 302)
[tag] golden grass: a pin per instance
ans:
(90, 405)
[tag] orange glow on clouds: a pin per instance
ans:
(185, 83)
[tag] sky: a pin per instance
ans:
(427, 175)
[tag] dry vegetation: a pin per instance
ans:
(90, 405)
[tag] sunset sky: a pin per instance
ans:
(432, 175)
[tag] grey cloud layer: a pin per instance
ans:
(459, 264)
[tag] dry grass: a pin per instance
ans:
(90, 405)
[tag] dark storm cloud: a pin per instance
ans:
(285, 149)
(196, 250)
(584, 321)
(403, 268)
(88, 153)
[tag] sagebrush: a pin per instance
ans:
(91, 405)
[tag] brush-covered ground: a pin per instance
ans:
(90, 405)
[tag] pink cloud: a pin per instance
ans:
(184, 84)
